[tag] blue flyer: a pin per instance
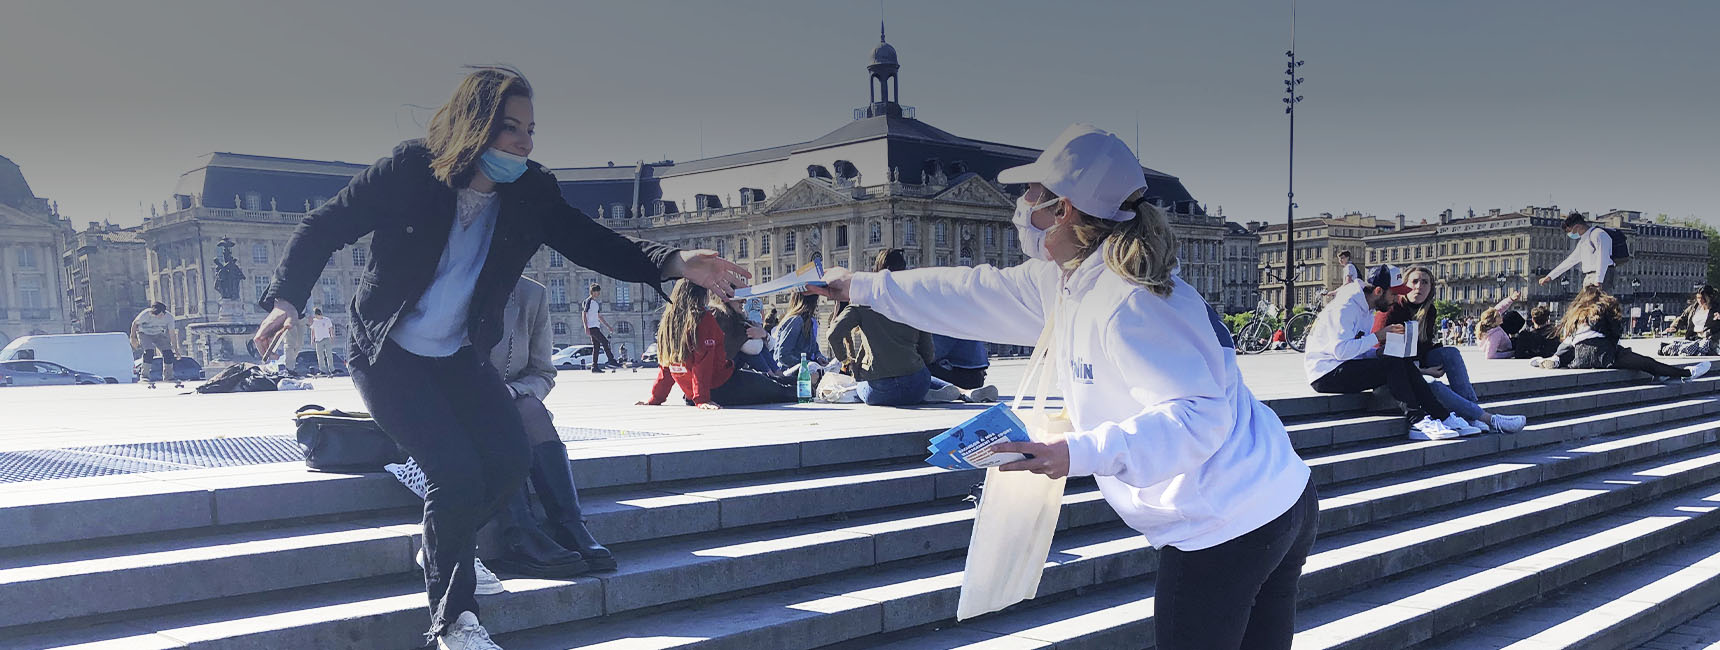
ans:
(968, 445)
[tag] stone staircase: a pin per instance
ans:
(1593, 528)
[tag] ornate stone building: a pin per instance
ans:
(1241, 273)
(882, 180)
(107, 272)
(1318, 242)
(32, 235)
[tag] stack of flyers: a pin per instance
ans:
(968, 445)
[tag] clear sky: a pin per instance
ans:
(1411, 107)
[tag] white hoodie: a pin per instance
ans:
(1178, 445)
(1593, 252)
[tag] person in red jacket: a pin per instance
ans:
(690, 355)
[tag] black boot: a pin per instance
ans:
(526, 550)
(554, 482)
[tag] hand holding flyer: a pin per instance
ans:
(968, 445)
(810, 274)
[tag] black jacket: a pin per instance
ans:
(409, 215)
(1686, 324)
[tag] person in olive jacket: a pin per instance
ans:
(453, 219)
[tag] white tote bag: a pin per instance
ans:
(1017, 510)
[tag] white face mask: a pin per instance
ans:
(1032, 238)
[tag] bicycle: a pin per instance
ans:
(1256, 336)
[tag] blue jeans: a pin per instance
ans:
(1464, 408)
(1451, 359)
(897, 391)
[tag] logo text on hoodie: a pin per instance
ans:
(1080, 371)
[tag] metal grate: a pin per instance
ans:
(109, 460)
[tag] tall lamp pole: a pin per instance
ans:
(1291, 84)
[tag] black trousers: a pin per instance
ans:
(600, 342)
(1630, 360)
(749, 387)
(968, 378)
(455, 417)
(1398, 375)
(1239, 594)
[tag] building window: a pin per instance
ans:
(910, 233)
(743, 248)
(260, 253)
(253, 201)
(617, 211)
(764, 244)
(876, 235)
(560, 328)
(259, 286)
(941, 234)
(30, 292)
(558, 291)
(722, 248)
(359, 255)
(624, 327)
(788, 242)
(330, 291)
(623, 297)
(841, 236)
(990, 236)
(556, 261)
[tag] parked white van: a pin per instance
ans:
(107, 354)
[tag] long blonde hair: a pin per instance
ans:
(462, 128)
(1590, 305)
(1142, 249)
(678, 332)
(1490, 318)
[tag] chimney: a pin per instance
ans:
(95, 226)
(1400, 221)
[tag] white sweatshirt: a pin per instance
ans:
(1593, 251)
(1343, 331)
(1178, 445)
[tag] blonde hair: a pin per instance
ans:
(678, 332)
(1142, 249)
(1590, 305)
(462, 128)
(1490, 318)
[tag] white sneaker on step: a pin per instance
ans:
(465, 634)
(1430, 429)
(1700, 369)
(488, 583)
(981, 394)
(1509, 423)
(949, 393)
(1481, 425)
(1461, 426)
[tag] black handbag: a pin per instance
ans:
(341, 441)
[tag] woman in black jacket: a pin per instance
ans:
(453, 220)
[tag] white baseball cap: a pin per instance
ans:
(1090, 167)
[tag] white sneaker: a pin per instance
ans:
(1461, 426)
(981, 394)
(949, 393)
(1483, 425)
(488, 583)
(1430, 429)
(1547, 363)
(466, 634)
(1700, 369)
(1509, 423)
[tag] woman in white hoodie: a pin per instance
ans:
(1176, 442)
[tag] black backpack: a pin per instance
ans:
(1620, 245)
(238, 378)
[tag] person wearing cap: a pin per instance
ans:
(1593, 253)
(1162, 419)
(1341, 357)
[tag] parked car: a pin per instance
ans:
(46, 373)
(106, 355)
(650, 355)
(306, 364)
(575, 357)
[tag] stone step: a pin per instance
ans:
(281, 558)
(1416, 607)
(1620, 608)
(1120, 616)
(80, 510)
(925, 594)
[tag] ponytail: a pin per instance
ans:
(1142, 249)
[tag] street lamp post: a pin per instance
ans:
(1291, 99)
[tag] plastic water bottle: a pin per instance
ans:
(803, 382)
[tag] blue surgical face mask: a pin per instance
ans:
(1573, 235)
(501, 166)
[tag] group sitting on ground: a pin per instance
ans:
(1592, 328)
(1699, 326)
